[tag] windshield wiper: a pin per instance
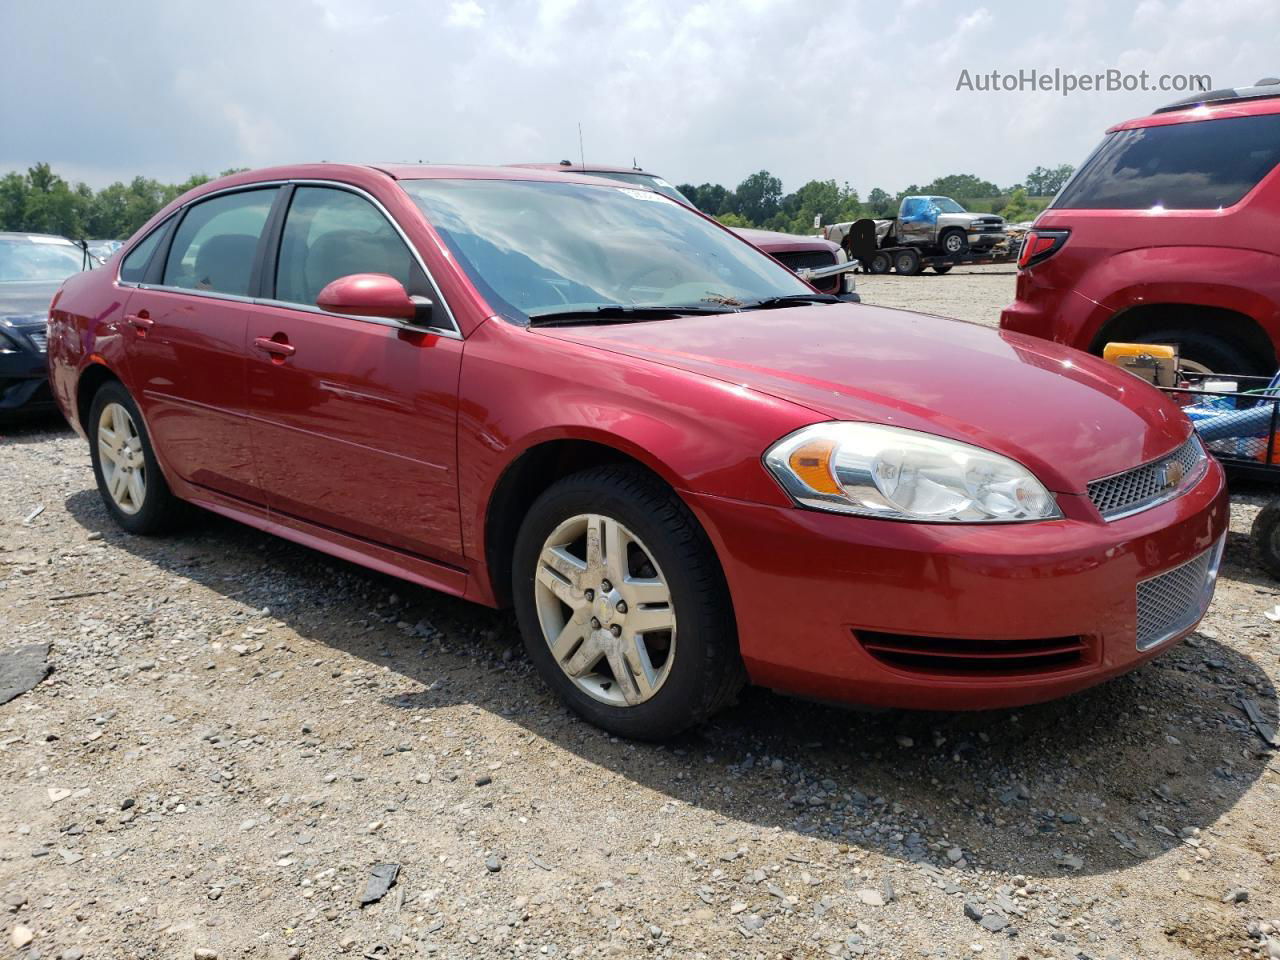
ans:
(791, 300)
(619, 313)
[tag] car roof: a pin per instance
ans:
(30, 237)
(1265, 88)
(567, 166)
(1261, 99)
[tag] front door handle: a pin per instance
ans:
(140, 321)
(279, 349)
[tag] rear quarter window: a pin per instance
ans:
(134, 267)
(1199, 165)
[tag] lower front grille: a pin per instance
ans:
(813, 260)
(955, 655)
(1174, 601)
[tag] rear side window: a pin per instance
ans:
(215, 245)
(333, 233)
(134, 267)
(1200, 165)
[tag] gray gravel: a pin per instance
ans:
(237, 731)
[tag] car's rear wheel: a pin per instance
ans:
(1200, 352)
(622, 604)
(129, 479)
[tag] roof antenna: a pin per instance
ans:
(581, 155)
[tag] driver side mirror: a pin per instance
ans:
(374, 295)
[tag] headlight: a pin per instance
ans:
(8, 344)
(898, 474)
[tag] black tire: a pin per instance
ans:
(1215, 354)
(1266, 537)
(160, 511)
(954, 241)
(707, 671)
(907, 262)
(942, 267)
(879, 263)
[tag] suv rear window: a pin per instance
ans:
(1198, 165)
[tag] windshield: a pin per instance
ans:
(646, 180)
(540, 247)
(38, 259)
(947, 205)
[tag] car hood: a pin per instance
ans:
(772, 241)
(1068, 416)
(27, 301)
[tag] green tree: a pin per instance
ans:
(1018, 208)
(1045, 182)
(710, 198)
(960, 185)
(758, 197)
(880, 204)
(732, 219)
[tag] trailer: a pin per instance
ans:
(926, 233)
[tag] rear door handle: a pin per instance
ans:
(274, 347)
(140, 321)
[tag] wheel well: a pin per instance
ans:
(522, 483)
(91, 381)
(1239, 329)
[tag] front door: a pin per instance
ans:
(185, 342)
(353, 420)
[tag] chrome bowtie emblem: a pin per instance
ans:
(1171, 473)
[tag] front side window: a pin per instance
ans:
(216, 242)
(332, 233)
(541, 247)
(1199, 165)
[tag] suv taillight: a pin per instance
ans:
(1040, 245)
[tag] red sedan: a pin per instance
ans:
(683, 467)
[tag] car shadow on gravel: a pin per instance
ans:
(20, 429)
(1098, 781)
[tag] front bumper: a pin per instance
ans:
(982, 239)
(951, 617)
(24, 376)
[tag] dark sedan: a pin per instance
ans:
(32, 267)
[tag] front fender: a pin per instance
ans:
(520, 388)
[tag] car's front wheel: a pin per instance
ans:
(623, 606)
(129, 479)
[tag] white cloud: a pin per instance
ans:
(696, 90)
(465, 13)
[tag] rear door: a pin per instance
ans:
(185, 338)
(354, 419)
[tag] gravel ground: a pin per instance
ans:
(237, 730)
(970, 293)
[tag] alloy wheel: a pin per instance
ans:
(124, 466)
(605, 610)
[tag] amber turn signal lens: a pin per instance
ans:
(811, 462)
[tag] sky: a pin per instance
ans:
(695, 90)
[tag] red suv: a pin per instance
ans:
(680, 464)
(1169, 233)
